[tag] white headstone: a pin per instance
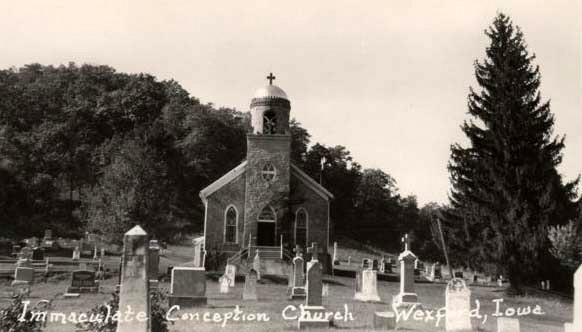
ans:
(458, 306)
(224, 284)
(505, 324)
(369, 290)
(230, 272)
(334, 252)
(325, 290)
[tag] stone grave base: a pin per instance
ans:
(367, 297)
(187, 301)
(406, 300)
(315, 320)
(297, 293)
(384, 320)
(83, 289)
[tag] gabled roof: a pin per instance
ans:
(309, 182)
(240, 169)
(226, 178)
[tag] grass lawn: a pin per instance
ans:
(272, 301)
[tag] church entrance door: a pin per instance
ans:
(266, 234)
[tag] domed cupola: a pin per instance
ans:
(270, 109)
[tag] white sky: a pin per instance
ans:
(387, 79)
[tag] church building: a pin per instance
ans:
(266, 203)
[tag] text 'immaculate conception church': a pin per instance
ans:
(266, 203)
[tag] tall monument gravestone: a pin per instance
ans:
(133, 292)
(576, 324)
(313, 311)
(298, 276)
(153, 263)
(458, 306)
(406, 296)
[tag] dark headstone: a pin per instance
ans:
(83, 281)
(375, 265)
(37, 254)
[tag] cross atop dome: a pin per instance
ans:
(271, 78)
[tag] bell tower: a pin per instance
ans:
(268, 166)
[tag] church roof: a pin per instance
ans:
(270, 91)
(226, 178)
(309, 182)
(241, 169)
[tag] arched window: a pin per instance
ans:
(230, 221)
(267, 215)
(269, 123)
(301, 227)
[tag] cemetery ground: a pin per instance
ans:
(272, 294)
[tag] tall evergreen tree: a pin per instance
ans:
(505, 186)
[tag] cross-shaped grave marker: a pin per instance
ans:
(313, 250)
(406, 241)
(298, 251)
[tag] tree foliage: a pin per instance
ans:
(505, 186)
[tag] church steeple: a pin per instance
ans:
(270, 109)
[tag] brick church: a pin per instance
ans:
(266, 202)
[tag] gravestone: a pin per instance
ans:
(257, 264)
(314, 288)
(349, 260)
(384, 320)
(407, 296)
(458, 306)
(188, 287)
(230, 272)
(134, 289)
(76, 253)
(325, 290)
(500, 281)
(382, 265)
(37, 254)
(335, 259)
(298, 285)
(154, 262)
(224, 284)
(23, 275)
(26, 253)
(358, 282)
(388, 266)
(458, 274)
(576, 324)
(250, 287)
(83, 282)
(366, 263)
(102, 253)
(505, 324)
(375, 266)
(369, 290)
(48, 234)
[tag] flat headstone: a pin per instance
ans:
(24, 274)
(71, 295)
(458, 306)
(188, 286)
(369, 291)
(505, 324)
(83, 281)
(250, 287)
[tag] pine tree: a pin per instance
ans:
(505, 186)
